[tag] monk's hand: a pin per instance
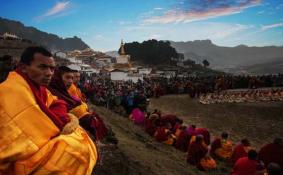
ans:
(71, 126)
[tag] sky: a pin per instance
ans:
(103, 23)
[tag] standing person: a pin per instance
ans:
(38, 136)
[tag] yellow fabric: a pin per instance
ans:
(170, 140)
(80, 110)
(208, 163)
(225, 152)
(31, 143)
(193, 139)
(75, 91)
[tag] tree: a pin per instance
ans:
(151, 52)
(205, 63)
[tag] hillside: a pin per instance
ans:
(259, 122)
(224, 58)
(51, 41)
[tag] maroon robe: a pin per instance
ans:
(205, 133)
(182, 142)
(272, 153)
(150, 127)
(215, 145)
(161, 135)
(195, 153)
(238, 153)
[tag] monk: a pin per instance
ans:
(38, 136)
(61, 81)
(272, 152)
(205, 133)
(164, 134)
(150, 124)
(73, 89)
(248, 165)
(183, 140)
(274, 169)
(196, 152)
(241, 150)
(222, 147)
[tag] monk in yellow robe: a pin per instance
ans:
(37, 135)
(90, 121)
(73, 89)
(222, 147)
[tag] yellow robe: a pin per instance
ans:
(82, 109)
(226, 150)
(31, 144)
(74, 91)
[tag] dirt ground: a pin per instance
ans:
(138, 153)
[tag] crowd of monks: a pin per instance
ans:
(47, 128)
(45, 124)
(204, 154)
(239, 96)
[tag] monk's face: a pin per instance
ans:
(77, 77)
(41, 69)
(68, 78)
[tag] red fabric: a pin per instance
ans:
(205, 133)
(169, 118)
(40, 95)
(58, 88)
(272, 153)
(245, 166)
(182, 142)
(215, 145)
(195, 153)
(59, 108)
(149, 127)
(238, 153)
(99, 126)
(161, 135)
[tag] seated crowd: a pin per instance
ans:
(204, 154)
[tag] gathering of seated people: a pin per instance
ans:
(263, 95)
(47, 127)
(204, 154)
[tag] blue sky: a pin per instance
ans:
(103, 23)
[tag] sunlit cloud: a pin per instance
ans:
(57, 10)
(196, 10)
(267, 27)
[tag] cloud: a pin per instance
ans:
(124, 22)
(99, 37)
(196, 10)
(218, 32)
(158, 8)
(56, 11)
(267, 27)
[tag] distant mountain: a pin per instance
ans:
(223, 58)
(51, 41)
(112, 53)
(272, 67)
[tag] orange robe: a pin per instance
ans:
(226, 149)
(30, 142)
(75, 91)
